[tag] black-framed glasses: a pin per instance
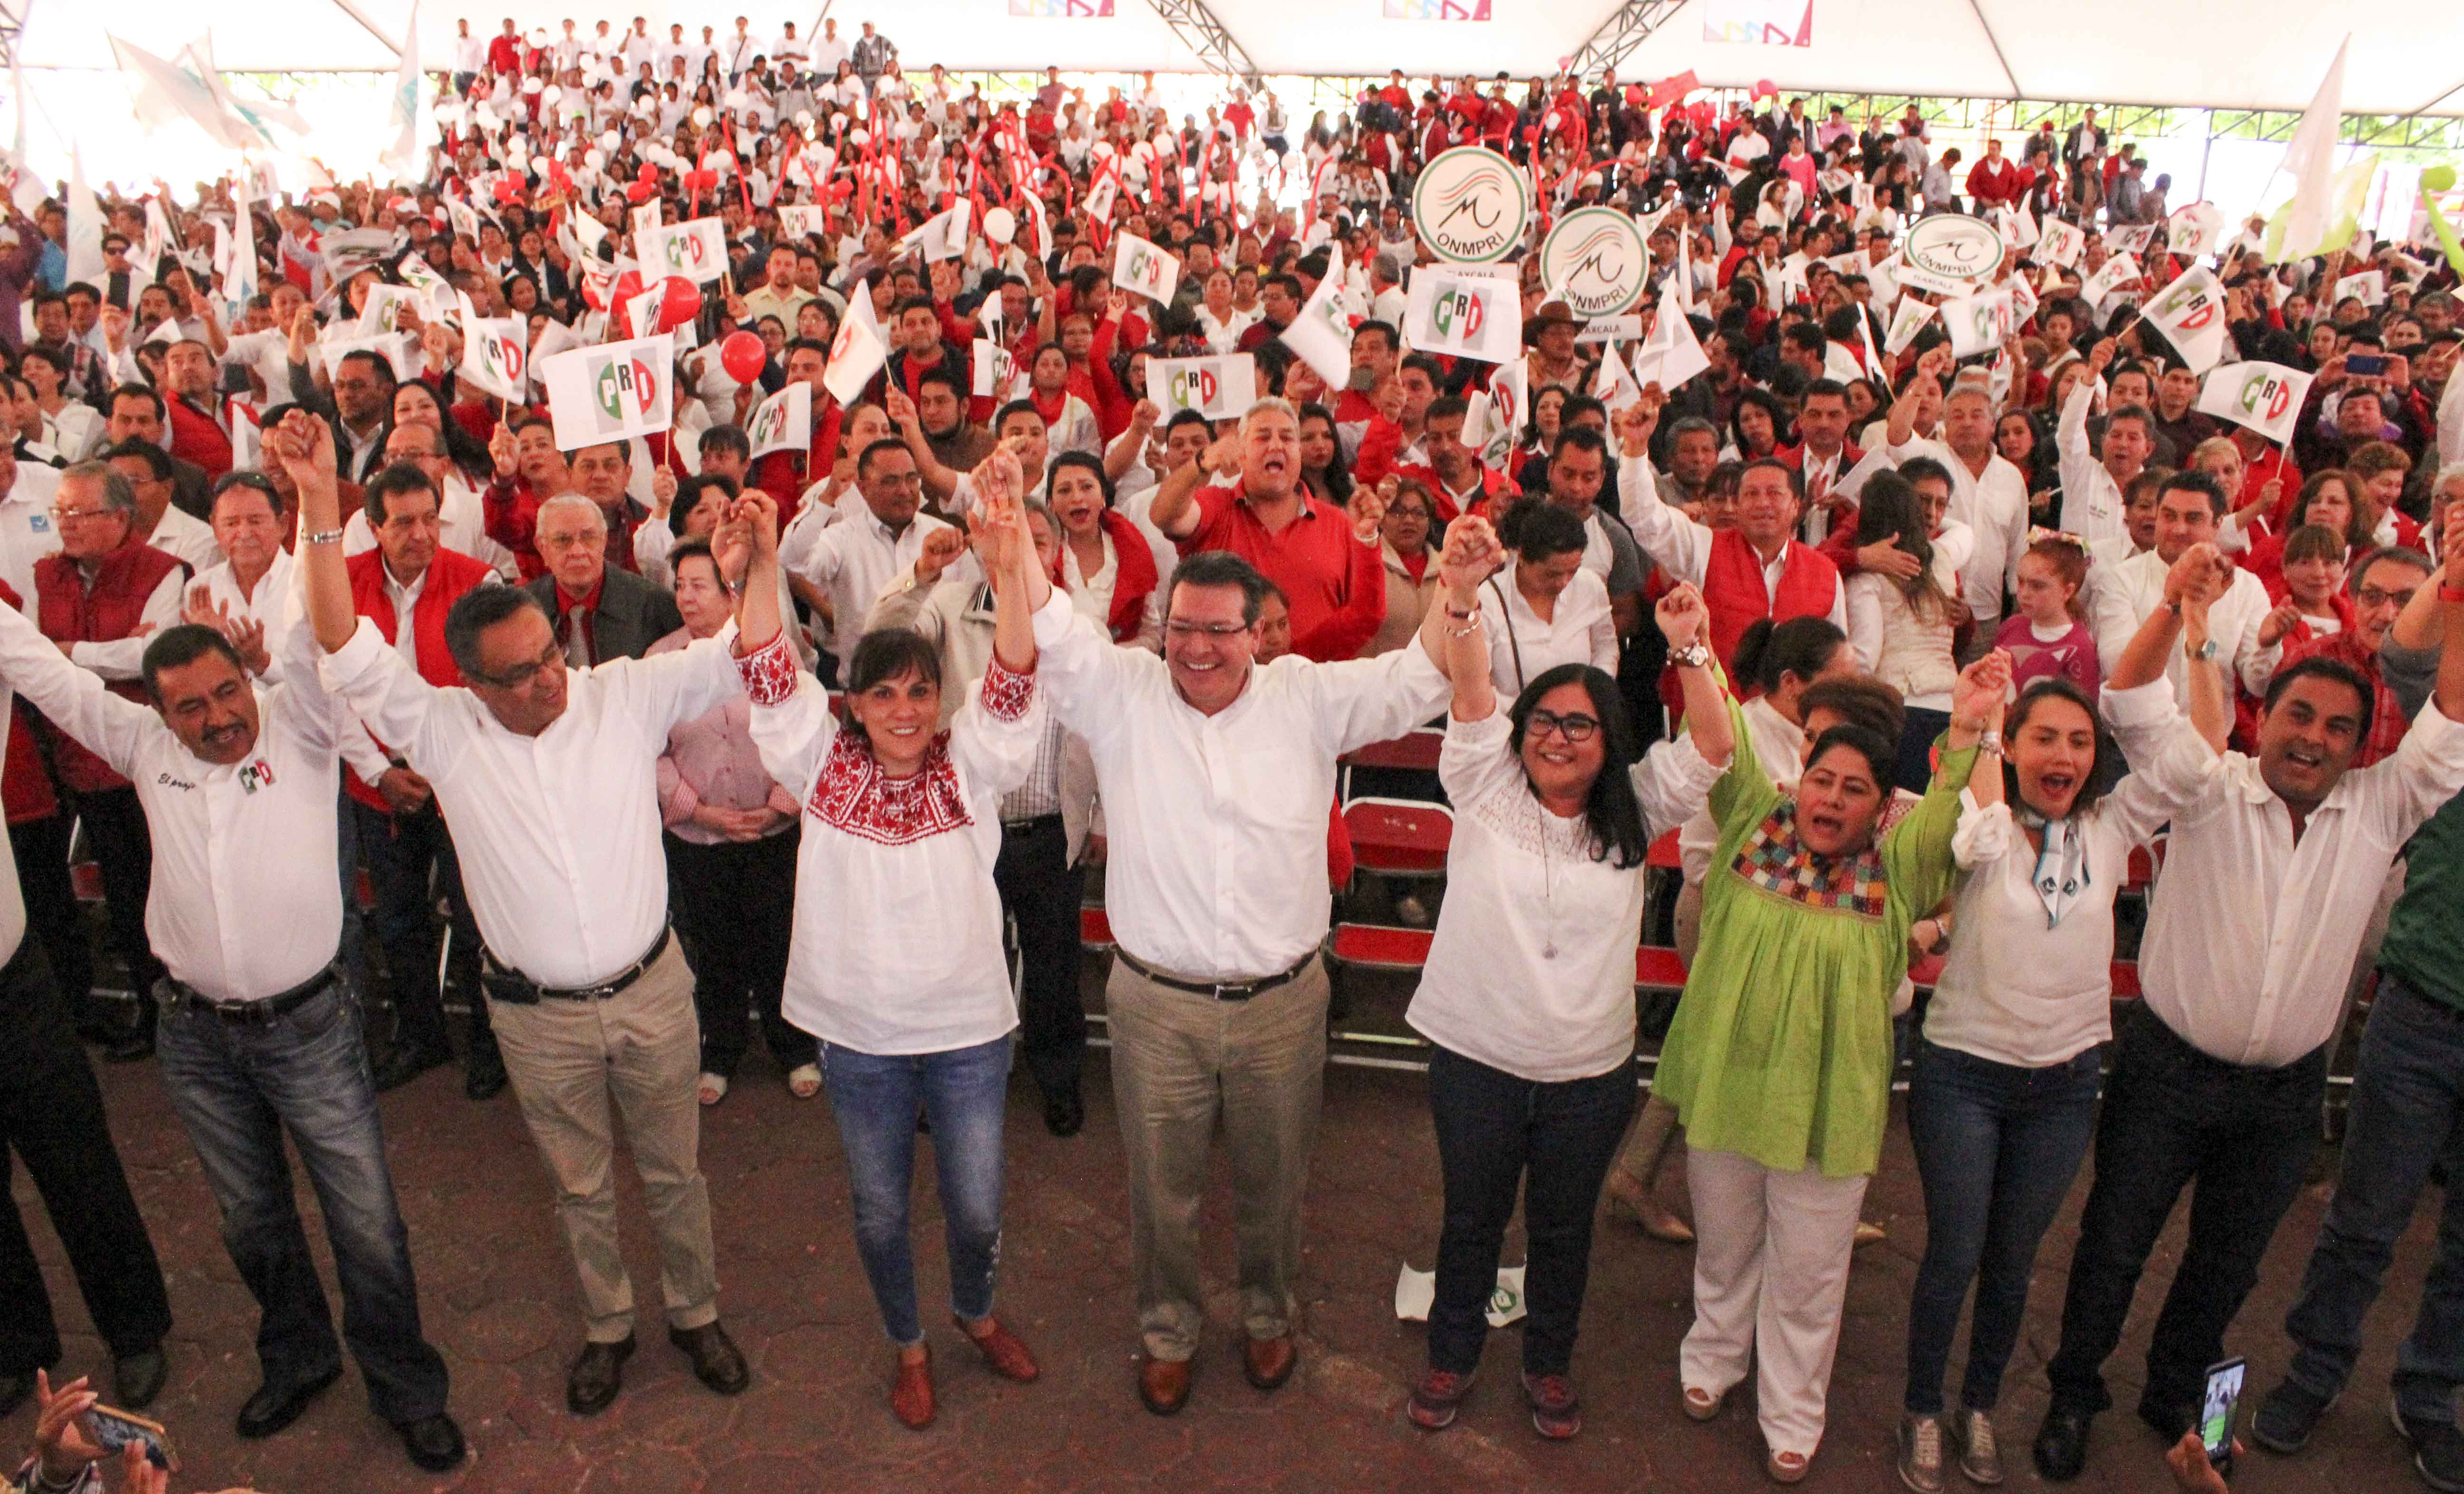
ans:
(1575, 727)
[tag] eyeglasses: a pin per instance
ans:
(521, 675)
(1575, 728)
(78, 515)
(2378, 597)
(1218, 632)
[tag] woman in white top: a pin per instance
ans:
(1113, 567)
(1545, 609)
(75, 427)
(2003, 1099)
(895, 962)
(1217, 317)
(1903, 626)
(1529, 993)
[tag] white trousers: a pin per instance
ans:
(1770, 1274)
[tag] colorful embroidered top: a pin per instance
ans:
(897, 941)
(1782, 1047)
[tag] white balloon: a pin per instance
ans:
(593, 159)
(1000, 225)
(532, 85)
(551, 94)
(608, 141)
(539, 36)
(1103, 148)
(1142, 151)
(805, 118)
(720, 159)
(734, 98)
(701, 115)
(861, 138)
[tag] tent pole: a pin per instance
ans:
(1977, 10)
(354, 13)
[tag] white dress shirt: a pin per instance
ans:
(1522, 648)
(1681, 546)
(2092, 501)
(2018, 988)
(28, 532)
(461, 519)
(1215, 825)
(559, 833)
(852, 561)
(244, 902)
(1532, 968)
(184, 535)
(277, 604)
(2251, 933)
(1092, 595)
(897, 942)
(2127, 593)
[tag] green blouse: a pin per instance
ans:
(1782, 1047)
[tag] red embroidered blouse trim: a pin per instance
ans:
(851, 794)
(769, 671)
(1007, 693)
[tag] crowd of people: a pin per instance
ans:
(646, 743)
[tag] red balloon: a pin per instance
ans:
(679, 303)
(509, 189)
(1704, 114)
(648, 173)
(1766, 89)
(742, 356)
(638, 192)
(627, 286)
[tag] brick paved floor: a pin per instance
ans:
(500, 1302)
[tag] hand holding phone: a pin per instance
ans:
(2364, 366)
(113, 1430)
(2216, 1409)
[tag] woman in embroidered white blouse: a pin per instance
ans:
(1529, 995)
(895, 961)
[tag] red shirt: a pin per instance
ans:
(1315, 558)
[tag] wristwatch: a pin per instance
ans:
(1696, 655)
(2205, 651)
(1989, 741)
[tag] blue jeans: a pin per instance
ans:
(875, 1098)
(238, 1091)
(2408, 1114)
(1499, 1135)
(1997, 1149)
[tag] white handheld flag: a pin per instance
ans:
(647, 219)
(1977, 323)
(2061, 244)
(993, 370)
(857, 354)
(641, 312)
(84, 247)
(1509, 403)
(1218, 389)
(2310, 160)
(2265, 397)
(611, 392)
(2368, 287)
(696, 250)
(381, 312)
(2195, 231)
(1139, 266)
(1614, 385)
(1470, 316)
(2191, 313)
(1671, 355)
(803, 220)
(2120, 272)
(1906, 321)
(402, 121)
(1321, 333)
(783, 422)
(494, 357)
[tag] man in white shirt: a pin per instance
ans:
(549, 779)
(829, 51)
(259, 1035)
(737, 53)
(160, 522)
(2244, 643)
(1217, 777)
(791, 48)
(28, 532)
(252, 589)
(470, 56)
(2272, 871)
(850, 563)
(2094, 485)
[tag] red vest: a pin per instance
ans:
(449, 576)
(68, 613)
(1734, 590)
(25, 789)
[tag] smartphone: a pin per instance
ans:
(114, 1430)
(2364, 366)
(2216, 1412)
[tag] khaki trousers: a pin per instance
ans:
(1771, 1277)
(1181, 1062)
(643, 1045)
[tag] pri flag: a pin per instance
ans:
(1670, 356)
(1321, 333)
(857, 354)
(1976, 323)
(1510, 405)
(2368, 287)
(1906, 321)
(1469, 316)
(2195, 231)
(2120, 273)
(1614, 387)
(2191, 313)
(803, 220)
(1139, 266)
(611, 392)
(783, 422)
(2265, 397)
(1218, 389)
(2059, 244)
(994, 367)
(697, 250)
(493, 357)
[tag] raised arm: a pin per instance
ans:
(1686, 622)
(304, 447)
(73, 698)
(1174, 509)
(1679, 545)
(1456, 625)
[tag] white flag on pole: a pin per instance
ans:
(1321, 333)
(494, 356)
(1977, 323)
(1510, 405)
(2265, 397)
(696, 250)
(1142, 267)
(993, 371)
(402, 121)
(611, 392)
(1671, 355)
(783, 422)
(2310, 160)
(857, 354)
(1614, 385)
(1218, 389)
(2191, 313)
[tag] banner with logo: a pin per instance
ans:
(1976, 323)
(1471, 205)
(1596, 261)
(2265, 397)
(1218, 389)
(1951, 247)
(2191, 313)
(495, 356)
(611, 392)
(1469, 316)
(1140, 267)
(2059, 244)
(783, 422)
(696, 250)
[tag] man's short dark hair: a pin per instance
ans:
(912, 303)
(2141, 413)
(1806, 338)
(946, 377)
(1578, 438)
(726, 438)
(1188, 417)
(2190, 479)
(1224, 568)
(378, 362)
(185, 643)
(148, 393)
(1448, 406)
(1919, 468)
(399, 478)
(1383, 329)
(2320, 665)
(157, 462)
(1820, 387)
(1429, 366)
(863, 459)
(2397, 553)
(475, 612)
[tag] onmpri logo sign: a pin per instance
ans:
(1470, 205)
(1596, 261)
(1954, 245)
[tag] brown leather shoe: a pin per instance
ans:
(1268, 1362)
(1002, 1350)
(716, 1362)
(911, 1395)
(1163, 1385)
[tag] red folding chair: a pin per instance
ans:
(1399, 837)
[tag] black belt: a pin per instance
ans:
(1222, 990)
(1030, 824)
(504, 983)
(255, 1014)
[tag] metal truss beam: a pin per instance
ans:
(12, 25)
(1197, 25)
(1622, 32)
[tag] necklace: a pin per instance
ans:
(1548, 890)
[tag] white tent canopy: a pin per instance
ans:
(2224, 54)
